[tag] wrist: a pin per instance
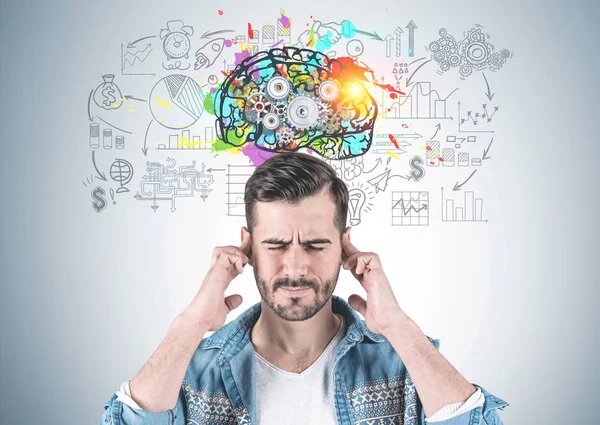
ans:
(191, 318)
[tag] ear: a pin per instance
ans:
(246, 239)
(346, 233)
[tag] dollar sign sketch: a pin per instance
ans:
(108, 94)
(417, 172)
(98, 196)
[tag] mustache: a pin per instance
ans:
(291, 283)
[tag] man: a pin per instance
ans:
(301, 355)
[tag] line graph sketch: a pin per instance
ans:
(421, 102)
(410, 208)
(237, 176)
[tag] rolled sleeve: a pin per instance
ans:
(116, 412)
(483, 414)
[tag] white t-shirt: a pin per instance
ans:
(307, 397)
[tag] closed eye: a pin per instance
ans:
(280, 248)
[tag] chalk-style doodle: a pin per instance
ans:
(183, 141)
(359, 202)
(457, 140)
(416, 168)
(176, 101)
(98, 200)
(209, 53)
(473, 121)
(121, 171)
(112, 195)
(473, 53)
(410, 208)
(463, 159)
(290, 98)
(471, 210)
(134, 57)
(94, 135)
(433, 153)
(389, 42)
(419, 103)
(411, 38)
(398, 43)
(384, 143)
(100, 175)
(107, 95)
(348, 169)
(166, 183)
(458, 186)
(88, 180)
(485, 151)
(355, 48)
(284, 29)
(380, 181)
(176, 44)
(237, 176)
(448, 154)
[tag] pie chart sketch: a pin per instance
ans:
(176, 101)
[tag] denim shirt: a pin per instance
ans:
(372, 384)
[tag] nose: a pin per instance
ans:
(295, 262)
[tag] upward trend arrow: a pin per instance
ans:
(411, 38)
(437, 128)
(458, 186)
(398, 33)
(388, 45)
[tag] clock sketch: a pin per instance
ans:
(176, 44)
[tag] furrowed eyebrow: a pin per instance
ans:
(275, 241)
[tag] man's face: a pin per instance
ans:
(296, 254)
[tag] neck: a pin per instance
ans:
(299, 339)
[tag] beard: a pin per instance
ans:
(296, 308)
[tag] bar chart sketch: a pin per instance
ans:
(410, 208)
(183, 141)
(469, 208)
(237, 176)
(420, 103)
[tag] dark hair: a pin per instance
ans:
(292, 177)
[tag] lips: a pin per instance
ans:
(296, 290)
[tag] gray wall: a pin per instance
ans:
(86, 297)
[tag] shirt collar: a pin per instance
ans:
(233, 335)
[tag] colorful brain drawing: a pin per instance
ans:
(290, 98)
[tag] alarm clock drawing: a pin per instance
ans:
(176, 43)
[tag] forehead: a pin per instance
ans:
(313, 216)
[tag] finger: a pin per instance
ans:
(363, 263)
(233, 301)
(231, 250)
(350, 263)
(358, 303)
(237, 252)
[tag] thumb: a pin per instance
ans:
(358, 303)
(233, 301)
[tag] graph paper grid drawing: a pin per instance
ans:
(410, 208)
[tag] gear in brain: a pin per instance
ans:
(289, 98)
